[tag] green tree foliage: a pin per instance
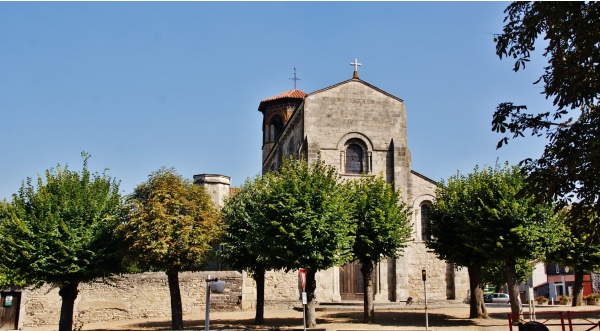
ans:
(61, 232)
(575, 248)
(382, 229)
(567, 170)
(302, 220)
(309, 221)
(245, 243)
(478, 219)
(454, 227)
(171, 226)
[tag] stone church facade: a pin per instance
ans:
(361, 130)
(354, 126)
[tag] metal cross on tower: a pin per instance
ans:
(295, 78)
(356, 65)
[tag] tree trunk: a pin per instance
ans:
(176, 309)
(513, 287)
(259, 278)
(477, 305)
(311, 285)
(369, 293)
(578, 287)
(68, 294)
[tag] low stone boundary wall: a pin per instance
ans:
(131, 296)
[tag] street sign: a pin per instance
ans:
(302, 279)
(302, 284)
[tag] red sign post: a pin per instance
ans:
(302, 279)
(302, 285)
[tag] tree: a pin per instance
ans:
(478, 219)
(574, 247)
(308, 221)
(382, 229)
(494, 272)
(61, 232)
(453, 219)
(567, 170)
(171, 226)
(245, 245)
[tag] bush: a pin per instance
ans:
(592, 297)
(564, 298)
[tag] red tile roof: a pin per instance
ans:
(292, 94)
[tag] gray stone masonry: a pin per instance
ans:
(131, 296)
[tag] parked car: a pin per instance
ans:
(496, 298)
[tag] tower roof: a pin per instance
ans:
(291, 94)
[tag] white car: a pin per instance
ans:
(496, 298)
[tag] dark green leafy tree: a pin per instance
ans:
(575, 247)
(245, 244)
(454, 219)
(172, 225)
(382, 229)
(567, 171)
(61, 232)
(4, 279)
(478, 219)
(308, 221)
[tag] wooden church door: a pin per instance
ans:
(9, 311)
(351, 282)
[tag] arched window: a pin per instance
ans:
(355, 155)
(273, 129)
(354, 159)
(277, 125)
(425, 222)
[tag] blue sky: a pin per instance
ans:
(141, 85)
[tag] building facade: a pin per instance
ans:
(361, 130)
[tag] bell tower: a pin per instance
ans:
(276, 111)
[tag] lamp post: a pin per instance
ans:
(424, 276)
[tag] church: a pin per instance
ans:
(361, 130)
(355, 127)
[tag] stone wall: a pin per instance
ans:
(131, 296)
(145, 295)
(444, 282)
(281, 290)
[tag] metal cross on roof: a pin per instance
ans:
(295, 78)
(356, 65)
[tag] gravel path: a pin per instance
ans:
(449, 317)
